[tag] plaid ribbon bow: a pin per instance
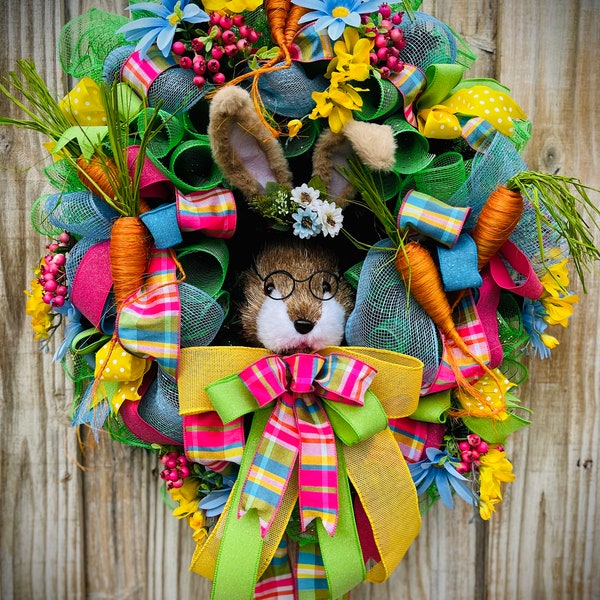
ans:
(300, 428)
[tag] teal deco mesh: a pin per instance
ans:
(201, 316)
(111, 70)
(431, 42)
(383, 318)
(494, 164)
(173, 90)
(288, 92)
(86, 41)
(81, 213)
(160, 407)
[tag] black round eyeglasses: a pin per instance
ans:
(280, 284)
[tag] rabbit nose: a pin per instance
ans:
(303, 325)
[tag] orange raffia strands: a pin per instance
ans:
(282, 17)
(129, 254)
(292, 25)
(93, 174)
(420, 274)
(496, 222)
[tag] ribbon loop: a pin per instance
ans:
(265, 379)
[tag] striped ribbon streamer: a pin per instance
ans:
(148, 323)
(209, 441)
(299, 427)
(471, 330)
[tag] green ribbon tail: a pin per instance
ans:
(237, 564)
(342, 554)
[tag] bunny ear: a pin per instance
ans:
(331, 152)
(373, 144)
(242, 146)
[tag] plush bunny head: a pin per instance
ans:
(295, 298)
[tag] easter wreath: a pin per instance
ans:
(196, 133)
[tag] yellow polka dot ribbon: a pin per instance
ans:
(83, 104)
(494, 391)
(119, 374)
(496, 107)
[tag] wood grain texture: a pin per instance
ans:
(105, 532)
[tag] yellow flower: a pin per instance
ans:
(38, 310)
(187, 496)
(351, 59)
(336, 103)
(495, 469)
(556, 300)
(230, 6)
(294, 126)
(486, 508)
(559, 309)
(549, 341)
(197, 522)
(556, 279)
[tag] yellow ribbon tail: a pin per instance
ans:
(388, 496)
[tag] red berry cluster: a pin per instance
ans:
(470, 451)
(52, 271)
(211, 55)
(176, 469)
(388, 42)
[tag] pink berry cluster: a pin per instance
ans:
(210, 56)
(176, 469)
(52, 271)
(470, 451)
(388, 42)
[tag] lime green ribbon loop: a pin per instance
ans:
(342, 554)
(441, 79)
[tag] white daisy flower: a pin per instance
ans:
(330, 216)
(305, 195)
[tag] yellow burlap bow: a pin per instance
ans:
(375, 466)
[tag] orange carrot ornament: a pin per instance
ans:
(497, 220)
(292, 25)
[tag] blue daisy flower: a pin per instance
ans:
(335, 15)
(437, 469)
(306, 223)
(160, 29)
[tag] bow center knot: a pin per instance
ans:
(301, 372)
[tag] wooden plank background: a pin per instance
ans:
(104, 532)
